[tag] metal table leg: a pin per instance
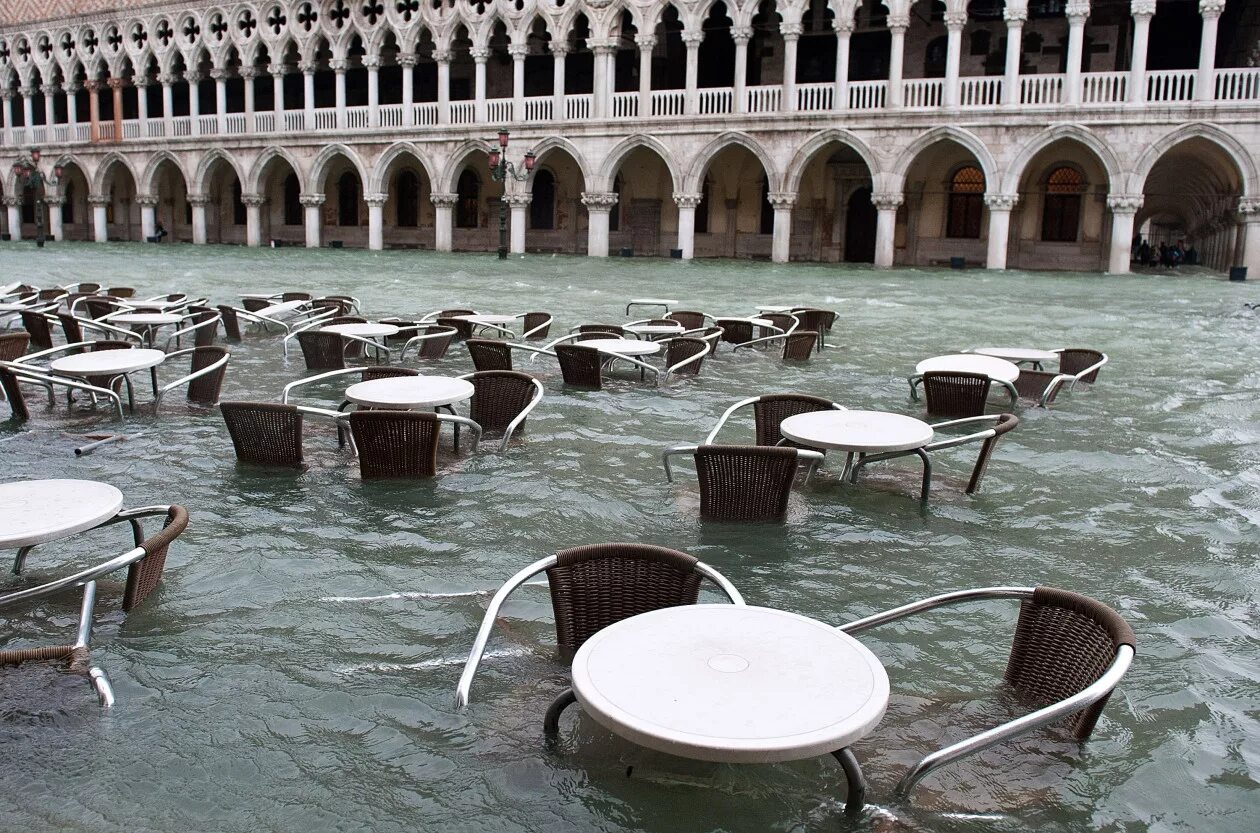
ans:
(551, 721)
(856, 798)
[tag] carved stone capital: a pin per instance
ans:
(781, 199)
(1249, 208)
(647, 42)
(375, 200)
(1015, 16)
(311, 200)
(254, 200)
(307, 67)
(1211, 8)
(518, 199)
(899, 21)
(54, 200)
(29, 90)
(93, 199)
(687, 200)
(219, 74)
(558, 49)
(277, 69)
(199, 200)
(91, 85)
(371, 62)
(741, 34)
(16, 202)
(167, 78)
(693, 38)
(955, 21)
(518, 51)
(442, 56)
(885, 201)
(1078, 10)
(1001, 202)
(599, 200)
(6, 94)
(443, 199)
(49, 89)
(247, 73)
(148, 200)
(339, 65)
(407, 61)
(192, 76)
(72, 87)
(1142, 8)
(1124, 203)
(607, 46)
(480, 54)
(791, 31)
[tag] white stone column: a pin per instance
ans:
(687, 222)
(791, 33)
(253, 218)
(199, 203)
(559, 50)
(1077, 13)
(308, 93)
(372, 64)
(220, 98)
(646, 44)
(6, 103)
(1011, 85)
(167, 80)
(14, 206)
(886, 204)
(601, 100)
(148, 215)
(954, 24)
(408, 64)
(443, 59)
(517, 202)
(247, 75)
(1205, 82)
(339, 69)
(518, 52)
(1249, 216)
(692, 39)
(72, 110)
(1142, 11)
(50, 114)
(598, 205)
(141, 83)
(193, 78)
(376, 220)
(844, 33)
(313, 218)
(897, 26)
(781, 245)
(1000, 207)
(1124, 208)
(28, 106)
(741, 35)
(443, 220)
(277, 94)
(56, 227)
(100, 228)
(480, 55)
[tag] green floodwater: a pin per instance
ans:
(296, 669)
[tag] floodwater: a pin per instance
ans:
(296, 669)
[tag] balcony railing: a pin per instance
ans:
(1097, 89)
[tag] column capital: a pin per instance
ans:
(192, 76)
(648, 41)
(311, 200)
(443, 199)
(308, 67)
(842, 26)
(371, 62)
(693, 38)
(955, 21)
(791, 31)
(54, 199)
(1078, 10)
(684, 200)
(899, 21)
(741, 34)
(480, 54)
(199, 200)
(559, 48)
(71, 87)
(93, 199)
(1001, 202)
(1249, 208)
(49, 89)
(781, 199)
(518, 199)
(248, 73)
(167, 78)
(407, 61)
(219, 74)
(91, 84)
(607, 46)
(375, 200)
(149, 200)
(442, 56)
(1124, 203)
(254, 199)
(6, 93)
(1014, 17)
(599, 200)
(277, 69)
(1211, 8)
(16, 202)
(518, 51)
(339, 65)
(887, 201)
(117, 83)
(1142, 8)
(29, 90)
(141, 80)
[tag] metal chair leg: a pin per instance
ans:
(551, 721)
(927, 473)
(20, 561)
(856, 798)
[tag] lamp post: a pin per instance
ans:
(28, 175)
(500, 171)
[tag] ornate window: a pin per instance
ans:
(348, 199)
(292, 201)
(467, 208)
(542, 209)
(407, 200)
(1061, 215)
(966, 203)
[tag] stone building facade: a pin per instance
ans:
(1028, 133)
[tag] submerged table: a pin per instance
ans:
(999, 370)
(654, 329)
(651, 302)
(1019, 354)
(410, 392)
(858, 432)
(362, 330)
(622, 346)
(110, 363)
(36, 511)
(734, 684)
(150, 321)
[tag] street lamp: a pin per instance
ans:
(500, 170)
(28, 175)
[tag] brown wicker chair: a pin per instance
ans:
(255, 304)
(286, 297)
(13, 345)
(781, 321)
(1068, 654)
(684, 356)
(798, 346)
(264, 433)
(462, 327)
(99, 306)
(70, 328)
(1039, 386)
(1075, 360)
(205, 375)
(231, 324)
(39, 326)
(813, 319)
(745, 482)
(580, 366)
(489, 354)
(86, 287)
(600, 330)
(121, 292)
(343, 319)
(379, 372)
(501, 401)
(535, 326)
(594, 586)
(322, 350)
(955, 394)
(987, 437)
(770, 410)
(690, 319)
(396, 443)
(406, 330)
(735, 331)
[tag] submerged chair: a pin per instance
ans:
(13, 345)
(591, 588)
(489, 353)
(690, 319)
(1076, 365)
(463, 328)
(13, 374)
(770, 410)
(535, 325)
(684, 356)
(580, 366)
(744, 482)
(1068, 655)
(401, 443)
(955, 394)
(39, 326)
(431, 342)
(144, 564)
(735, 330)
(265, 433)
(322, 350)
(988, 439)
(501, 401)
(205, 375)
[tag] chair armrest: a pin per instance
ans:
(672, 451)
(727, 415)
(466, 422)
(319, 377)
(196, 374)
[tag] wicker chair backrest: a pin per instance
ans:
(386, 372)
(954, 394)
(462, 327)
(143, 575)
(231, 324)
(690, 319)
(536, 319)
(13, 392)
(811, 319)
(594, 586)
(744, 482)
(396, 443)
(343, 319)
(205, 336)
(498, 397)
(736, 332)
(206, 389)
(255, 304)
(121, 292)
(770, 410)
(781, 320)
(1031, 384)
(70, 327)
(435, 348)
(99, 307)
(294, 296)
(580, 366)
(1073, 360)
(13, 345)
(322, 350)
(1063, 642)
(799, 346)
(264, 433)
(38, 327)
(682, 348)
(601, 328)
(489, 354)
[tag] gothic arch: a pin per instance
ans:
(105, 166)
(1081, 135)
(456, 163)
(552, 143)
(1198, 130)
(146, 181)
(200, 179)
(253, 182)
(957, 135)
(603, 179)
(319, 166)
(378, 183)
(700, 162)
(802, 157)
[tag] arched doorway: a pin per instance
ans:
(738, 221)
(1061, 220)
(827, 220)
(282, 214)
(943, 216)
(343, 214)
(647, 218)
(1190, 197)
(557, 219)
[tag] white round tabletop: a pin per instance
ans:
(857, 431)
(991, 366)
(769, 308)
(105, 362)
(363, 330)
(654, 329)
(406, 392)
(1017, 354)
(731, 683)
(622, 346)
(156, 304)
(664, 302)
(281, 308)
(755, 321)
(487, 318)
(150, 319)
(36, 511)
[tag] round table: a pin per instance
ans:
(863, 432)
(622, 346)
(35, 511)
(769, 308)
(131, 302)
(146, 319)
(755, 321)
(654, 329)
(107, 362)
(731, 683)
(1018, 354)
(362, 330)
(487, 318)
(651, 302)
(410, 392)
(278, 309)
(997, 369)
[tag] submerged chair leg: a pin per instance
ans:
(20, 561)
(551, 722)
(927, 473)
(856, 799)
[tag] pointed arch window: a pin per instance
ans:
(966, 203)
(292, 201)
(1061, 214)
(468, 191)
(407, 200)
(542, 208)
